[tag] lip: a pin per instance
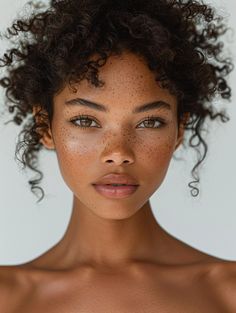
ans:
(115, 178)
(115, 192)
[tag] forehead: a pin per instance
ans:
(127, 78)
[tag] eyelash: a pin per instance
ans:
(87, 118)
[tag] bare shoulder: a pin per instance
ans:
(8, 283)
(13, 282)
(221, 278)
(216, 276)
(8, 277)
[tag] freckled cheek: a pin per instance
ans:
(75, 153)
(160, 152)
(157, 154)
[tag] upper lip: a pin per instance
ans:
(116, 179)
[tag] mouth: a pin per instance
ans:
(115, 185)
(115, 190)
(116, 180)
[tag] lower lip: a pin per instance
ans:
(115, 192)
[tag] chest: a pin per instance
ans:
(117, 293)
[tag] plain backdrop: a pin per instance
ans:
(208, 222)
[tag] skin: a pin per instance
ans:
(115, 256)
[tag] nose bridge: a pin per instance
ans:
(120, 137)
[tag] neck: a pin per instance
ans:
(93, 240)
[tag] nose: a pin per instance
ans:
(118, 159)
(118, 150)
(118, 155)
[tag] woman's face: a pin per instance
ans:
(118, 140)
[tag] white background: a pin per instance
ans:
(208, 222)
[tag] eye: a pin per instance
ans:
(152, 120)
(83, 118)
(86, 121)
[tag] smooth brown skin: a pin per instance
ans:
(114, 256)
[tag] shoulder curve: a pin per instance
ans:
(11, 277)
(7, 275)
(13, 286)
(223, 278)
(222, 269)
(7, 284)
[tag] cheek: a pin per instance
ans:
(74, 153)
(159, 146)
(157, 153)
(161, 151)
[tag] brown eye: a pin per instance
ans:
(152, 121)
(85, 121)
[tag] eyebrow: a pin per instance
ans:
(100, 107)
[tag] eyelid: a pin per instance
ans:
(83, 116)
(92, 119)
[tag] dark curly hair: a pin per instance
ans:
(52, 47)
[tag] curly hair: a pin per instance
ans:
(179, 40)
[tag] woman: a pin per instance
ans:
(117, 126)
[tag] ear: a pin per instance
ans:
(41, 116)
(181, 129)
(47, 140)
